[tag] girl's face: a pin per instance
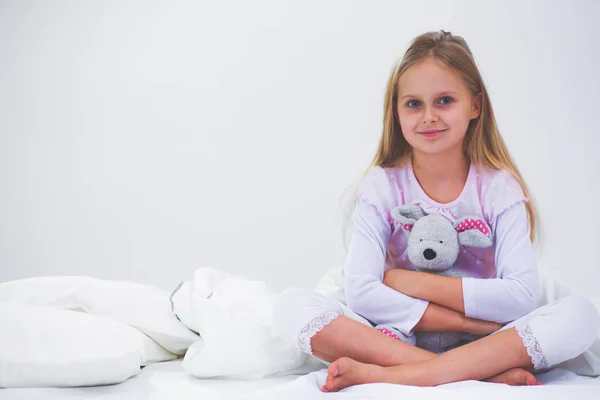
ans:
(435, 107)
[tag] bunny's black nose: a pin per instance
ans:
(429, 254)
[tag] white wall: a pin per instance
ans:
(141, 140)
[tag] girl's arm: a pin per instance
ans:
(364, 290)
(438, 318)
(443, 290)
(514, 293)
(515, 288)
(368, 296)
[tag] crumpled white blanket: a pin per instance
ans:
(238, 337)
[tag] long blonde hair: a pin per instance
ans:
(483, 143)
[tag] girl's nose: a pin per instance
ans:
(429, 116)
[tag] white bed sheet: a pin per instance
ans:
(168, 380)
(558, 384)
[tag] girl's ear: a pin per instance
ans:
(476, 111)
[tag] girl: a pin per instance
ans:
(440, 150)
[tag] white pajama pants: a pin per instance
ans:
(553, 333)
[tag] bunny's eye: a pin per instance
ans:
(420, 240)
(441, 241)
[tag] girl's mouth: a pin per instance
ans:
(430, 133)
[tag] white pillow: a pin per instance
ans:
(43, 346)
(143, 307)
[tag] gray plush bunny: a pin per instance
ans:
(433, 246)
(434, 242)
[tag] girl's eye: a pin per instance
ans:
(446, 100)
(413, 103)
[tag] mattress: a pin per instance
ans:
(168, 380)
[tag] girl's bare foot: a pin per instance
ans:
(515, 377)
(345, 372)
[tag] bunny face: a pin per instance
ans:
(433, 241)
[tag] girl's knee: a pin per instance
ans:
(296, 307)
(292, 300)
(566, 328)
(582, 313)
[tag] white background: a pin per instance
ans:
(140, 140)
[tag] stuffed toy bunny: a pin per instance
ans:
(434, 242)
(433, 246)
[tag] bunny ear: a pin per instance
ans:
(407, 215)
(474, 232)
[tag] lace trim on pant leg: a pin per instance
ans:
(533, 347)
(312, 328)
